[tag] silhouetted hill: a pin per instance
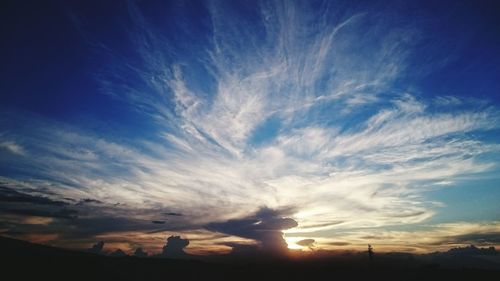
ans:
(466, 257)
(26, 261)
(473, 250)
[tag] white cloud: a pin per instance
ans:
(428, 238)
(314, 80)
(12, 147)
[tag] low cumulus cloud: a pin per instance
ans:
(97, 248)
(309, 243)
(175, 247)
(139, 252)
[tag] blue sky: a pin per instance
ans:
(353, 120)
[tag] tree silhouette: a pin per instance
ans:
(370, 252)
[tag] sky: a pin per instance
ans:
(266, 125)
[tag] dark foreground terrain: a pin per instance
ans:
(26, 261)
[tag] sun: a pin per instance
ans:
(292, 243)
(293, 246)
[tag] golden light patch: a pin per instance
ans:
(26, 219)
(113, 246)
(37, 220)
(292, 243)
(293, 246)
(40, 238)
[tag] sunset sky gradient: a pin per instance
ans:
(241, 122)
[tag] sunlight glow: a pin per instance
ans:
(292, 243)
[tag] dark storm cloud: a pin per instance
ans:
(89, 201)
(85, 229)
(265, 227)
(172, 214)
(12, 196)
(492, 238)
(39, 212)
(24, 204)
(65, 214)
(92, 226)
(84, 219)
(76, 218)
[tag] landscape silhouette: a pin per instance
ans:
(23, 260)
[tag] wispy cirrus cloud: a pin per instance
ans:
(276, 113)
(12, 147)
(426, 238)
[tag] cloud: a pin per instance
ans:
(95, 225)
(471, 251)
(12, 147)
(241, 249)
(266, 227)
(10, 195)
(306, 242)
(97, 248)
(424, 238)
(28, 207)
(139, 252)
(175, 247)
(172, 214)
(339, 243)
(89, 201)
(29, 204)
(491, 238)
